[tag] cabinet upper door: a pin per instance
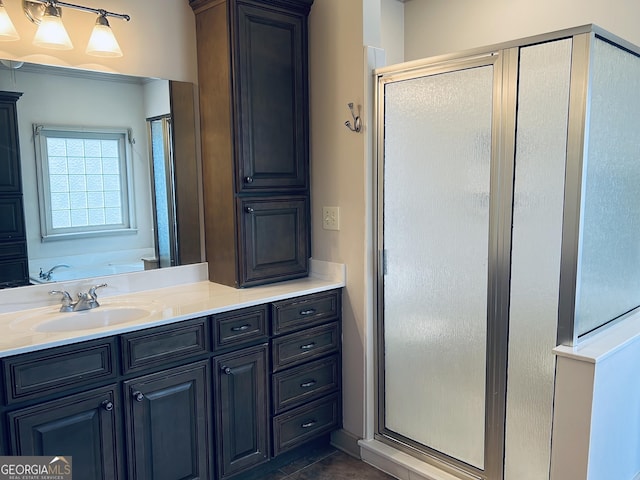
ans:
(272, 100)
(9, 145)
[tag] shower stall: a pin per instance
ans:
(507, 220)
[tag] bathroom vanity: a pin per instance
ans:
(210, 384)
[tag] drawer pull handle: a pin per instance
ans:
(107, 405)
(308, 424)
(308, 346)
(226, 370)
(309, 311)
(138, 395)
(241, 328)
(308, 384)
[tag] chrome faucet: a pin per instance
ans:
(86, 301)
(47, 275)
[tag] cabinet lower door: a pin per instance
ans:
(166, 418)
(274, 239)
(83, 427)
(241, 399)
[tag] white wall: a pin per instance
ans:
(159, 41)
(596, 419)
(436, 27)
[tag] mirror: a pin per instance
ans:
(165, 236)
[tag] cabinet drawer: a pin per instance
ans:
(240, 326)
(305, 423)
(54, 370)
(14, 273)
(302, 312)
(9, 251)
(161, 345)
(300, 347)
(307, 382)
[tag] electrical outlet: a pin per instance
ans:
(331, 218)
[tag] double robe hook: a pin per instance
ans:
(357, 125)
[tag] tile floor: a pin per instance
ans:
(325, 463)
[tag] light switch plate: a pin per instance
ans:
(331, 218)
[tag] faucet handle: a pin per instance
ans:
(66, 300)
(92, 290)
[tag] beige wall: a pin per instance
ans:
(337, 156)
(435, 27)
(159, 41)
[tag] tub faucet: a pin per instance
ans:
(47, 275)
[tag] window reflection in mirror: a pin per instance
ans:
(93, 100)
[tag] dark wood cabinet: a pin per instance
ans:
(167, 418)
(253, 79)
(84, 426)
(14, 268)
(241, 398)
(212, 397)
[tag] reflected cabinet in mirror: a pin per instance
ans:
(101, 174)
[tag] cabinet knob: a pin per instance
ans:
(107, 405)
(248, 210)
(138, 395)
(248, 179)
(226, 370)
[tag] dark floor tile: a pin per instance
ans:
(339, 466)
(310, 456)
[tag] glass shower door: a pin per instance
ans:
(436, 242)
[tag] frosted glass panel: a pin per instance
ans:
(436, 211)
(541, 142)
(609, 268)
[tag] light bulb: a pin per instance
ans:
(102, 42)
(7, 30)
(51, 32)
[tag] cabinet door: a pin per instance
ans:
(166, 417)
(11, 218)
(272, 100)
(241, 399)
(9, 149)
(83, 426)
(274, 239)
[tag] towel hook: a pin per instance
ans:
(357, 125)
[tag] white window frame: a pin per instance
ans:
(127, 202)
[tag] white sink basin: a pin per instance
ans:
(89, 319)
(51, 319)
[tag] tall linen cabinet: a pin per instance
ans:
(252, 74)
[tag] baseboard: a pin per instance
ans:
(347, 442)
(398, 464)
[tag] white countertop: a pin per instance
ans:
(164, 305)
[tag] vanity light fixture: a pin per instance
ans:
(51, 33)
(7, 31)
